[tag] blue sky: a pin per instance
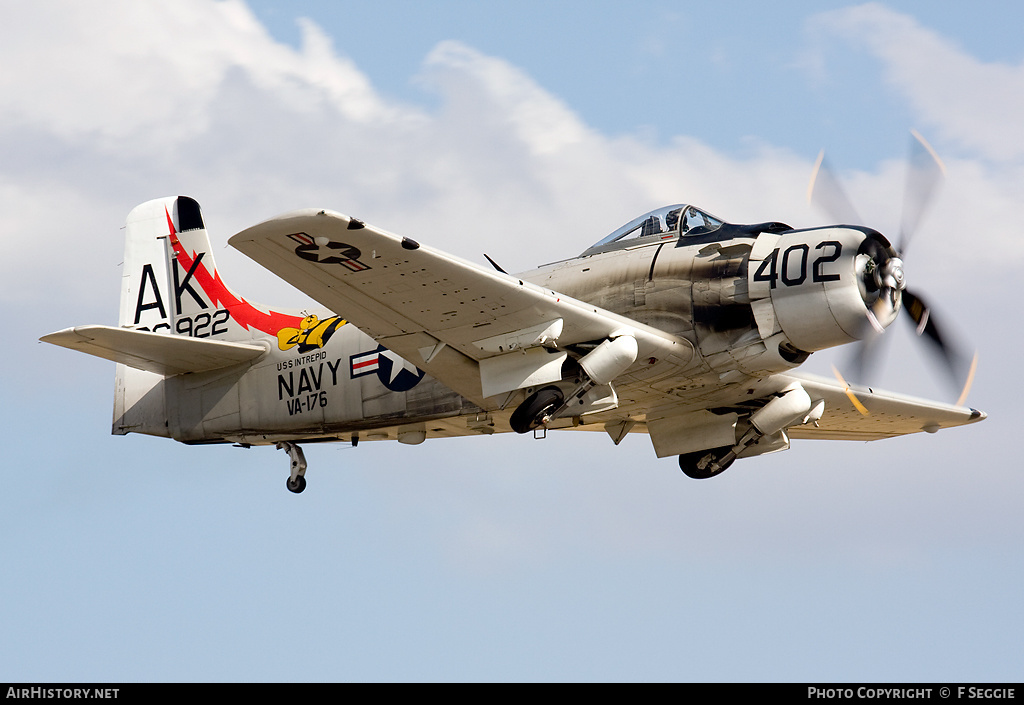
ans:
(527, 131)
(726, 72)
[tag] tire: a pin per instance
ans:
(532, 412)
(298, 486)
(695, 465)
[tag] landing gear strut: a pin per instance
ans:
(767, 426)
(296, 480)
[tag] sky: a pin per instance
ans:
(525, 130)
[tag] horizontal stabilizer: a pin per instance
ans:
(167, 355)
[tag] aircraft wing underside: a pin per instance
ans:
(444, 314)
(888, 414)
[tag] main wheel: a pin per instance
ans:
(298, 485)
(535, 411)
(698, 465)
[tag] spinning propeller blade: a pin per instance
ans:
(956, 363)
(923, 177)
(827, 193)
(924, 171)
(849, 393)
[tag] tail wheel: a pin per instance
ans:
(297, 485)
(704, 463)
(536, 410)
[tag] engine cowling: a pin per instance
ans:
(823, 287)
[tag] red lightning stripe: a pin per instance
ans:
(239, 309)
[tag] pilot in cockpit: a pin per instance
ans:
(672, 219)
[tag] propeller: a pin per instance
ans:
(882, 269)
(924, 172)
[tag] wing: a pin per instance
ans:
(888, 414)
(154, 352)
(456, 320)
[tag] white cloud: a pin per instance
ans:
(541, 121)
(197, 98)
(123, 70)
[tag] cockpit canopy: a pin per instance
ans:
(665, 223)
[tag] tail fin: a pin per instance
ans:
(171, 285)
(166, 244)
(171, 282)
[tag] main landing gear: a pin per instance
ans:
(297, 478)
(765, 433)
(706, 463)
(600, 366)
(537, 410)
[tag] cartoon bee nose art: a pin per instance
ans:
(313, 334)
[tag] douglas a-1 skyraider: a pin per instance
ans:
(678, 325)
